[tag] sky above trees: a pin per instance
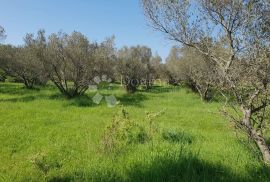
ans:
(96, 19)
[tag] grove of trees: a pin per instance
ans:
(71, 62)
(234, 38)
(223, 47)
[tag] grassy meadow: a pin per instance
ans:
(45, 137)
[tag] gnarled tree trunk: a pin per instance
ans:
(262, 145)
(255, 136)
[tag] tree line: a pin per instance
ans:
(71, 62)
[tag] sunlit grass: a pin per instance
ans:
(45, 137)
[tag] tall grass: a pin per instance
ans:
(45, 137)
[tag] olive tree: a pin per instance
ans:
(23, 62)
(173, 66)
(193, 69)
(2, 72)
(69, 60)
(105, 59)
(144, 54)
(7, 53)
(239, 27)
(25, 67)
(156, 68)
(133, 66)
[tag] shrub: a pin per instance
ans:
(124, 131)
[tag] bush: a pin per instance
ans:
(124, 131)
(121, 132)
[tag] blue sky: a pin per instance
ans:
(95, 18)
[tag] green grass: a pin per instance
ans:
(44, 137)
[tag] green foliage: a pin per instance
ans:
(137, 67)
(122, 132)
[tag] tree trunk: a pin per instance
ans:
(262, 145)
(27, 84)
(130, 88)
(257, 138)
(131, 85)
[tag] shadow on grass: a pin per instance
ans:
(161, 89)
(182, 169)
(16, 89)
(169, 168)
(21, 94)
(174, 136)
(190, 169)
(81, 101)
(134, 99)
(19, 99)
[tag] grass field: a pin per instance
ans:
(45, 137)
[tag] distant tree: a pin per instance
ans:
(133, 66)
(240, 27)
(193, 69)
(2, 72)
(26, 67)
(198, 72)
(105, 59)
(69, 60)
(23, 62)
(144, 54)
(173, 65)
(7, 53)
(156, 67)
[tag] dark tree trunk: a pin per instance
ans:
(131, 85)
(29, 84)
(207, 95)
(204, 92)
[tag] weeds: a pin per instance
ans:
(124, 131)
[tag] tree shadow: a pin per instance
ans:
(21, 94)
(182, 169)
(15, 89)
(19, 99)
(161, 89)
(81, 101)
(174, 136)
(134, 99)
(26, 95)
(190, 169)
(186, 168)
